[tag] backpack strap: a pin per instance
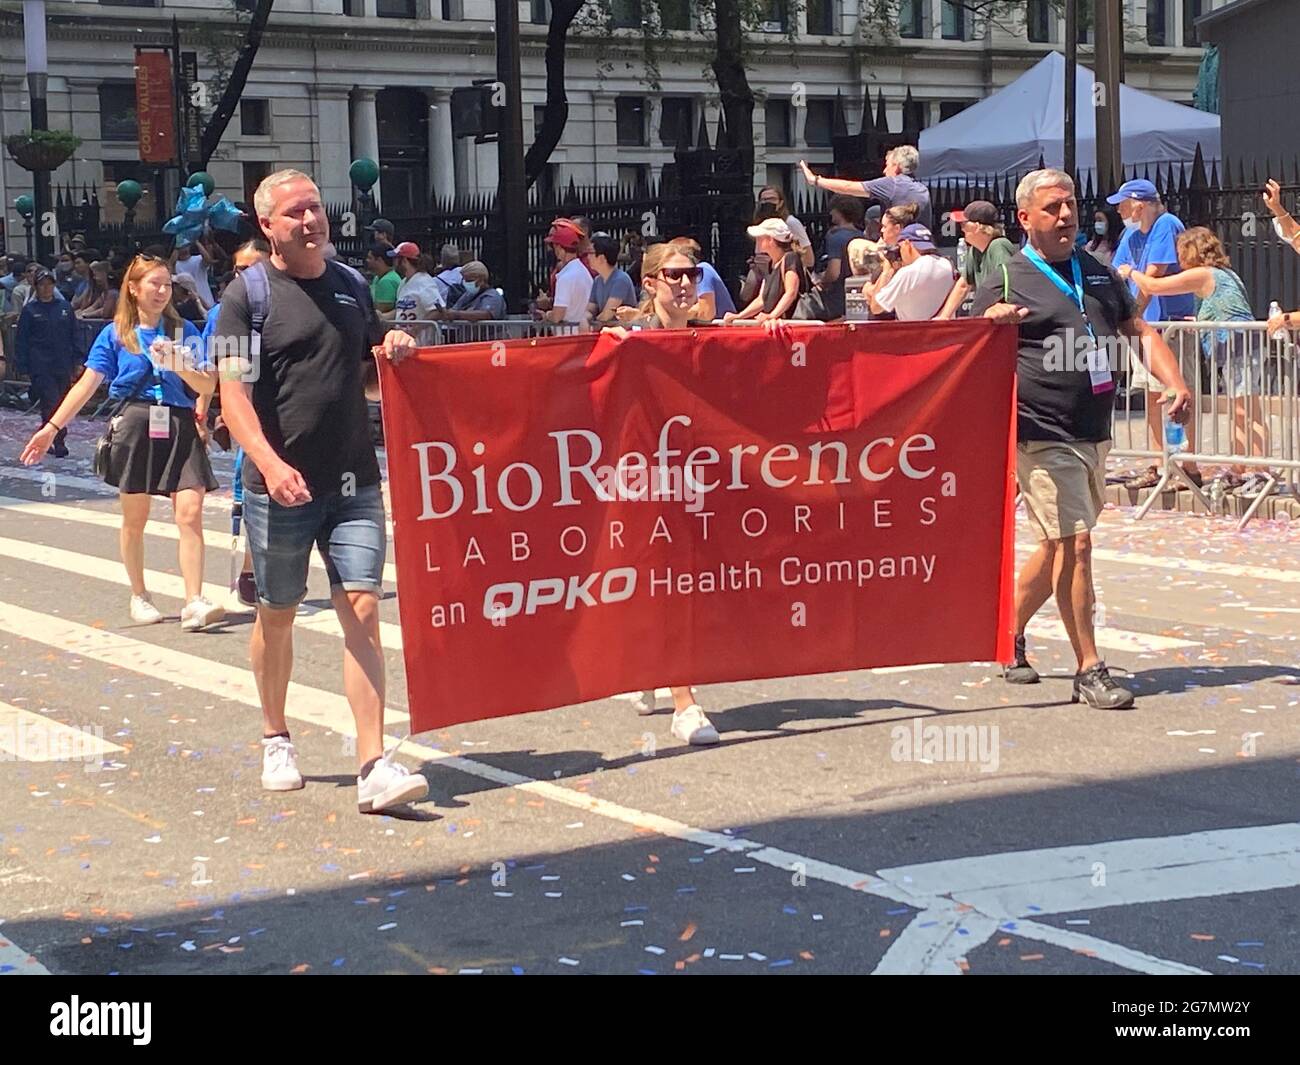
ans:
(257, 287)
(353, 279)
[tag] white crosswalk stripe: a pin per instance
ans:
(32, 737)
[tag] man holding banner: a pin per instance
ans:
(310, 473)
(1074, 315)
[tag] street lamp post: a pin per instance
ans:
(128, 195)
(1071, 75)
(512, 204)
(26, 207)
(37, 82)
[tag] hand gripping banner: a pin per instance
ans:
(581, 516)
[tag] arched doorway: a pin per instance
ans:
(403, 116)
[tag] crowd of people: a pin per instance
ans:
(185, 324)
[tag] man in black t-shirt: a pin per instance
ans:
(310, 474)
(1073, 315)
(846, 226)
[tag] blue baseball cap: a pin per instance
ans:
(918, 236)
(1137, 189)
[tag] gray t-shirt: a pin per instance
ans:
(617, 284)
(894, 191)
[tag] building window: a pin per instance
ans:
(1157, 23)
(128, 3)
(539, 116)
(354, 8)
(819, 124)
(780, 130)
(540, 12)
(1038, 21)
(916, 114)
(395, 8)
(625, 14)
(776, 16)
(675, 14)
(117, 119)
(677, 119)
(1192, 10)
(821, 16)
(633, 175)
(1085, 22)
(911, 18)
(629, 118)
(253, 175)
(951, 108)
(954, 20)
(255, 118)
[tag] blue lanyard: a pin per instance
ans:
(1075, 291)
(157, 373)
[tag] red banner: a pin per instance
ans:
(581, 516)
(155, 107)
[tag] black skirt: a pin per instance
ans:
(158, 467)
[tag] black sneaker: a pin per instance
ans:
(1099, 689)
(1020, 671)
(247, 589)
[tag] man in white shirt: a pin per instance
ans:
(196, 267)
(917, 290)
(419, 297)
(573, 282)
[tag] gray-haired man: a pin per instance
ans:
(897, 186)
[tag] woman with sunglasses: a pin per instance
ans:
(156, 369)
(669, 276)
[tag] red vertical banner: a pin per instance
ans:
(155, 107)
(580, 516)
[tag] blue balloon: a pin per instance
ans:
(225, 215)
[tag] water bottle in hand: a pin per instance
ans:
(1275, 309)
(1175, 436)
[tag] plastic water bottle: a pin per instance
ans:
(1175, 437)
(1274, 309)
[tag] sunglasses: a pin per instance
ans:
(677, 273)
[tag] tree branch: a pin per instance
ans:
(225, 110)
(556, 112)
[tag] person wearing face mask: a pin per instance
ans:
(64, 282)
(671, 278)
(480, 302)
(1107, 229)
(1150, 246)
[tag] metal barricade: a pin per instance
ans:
(1245, 411)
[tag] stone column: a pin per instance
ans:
(442, 159)
(365, 129)
(333, 142)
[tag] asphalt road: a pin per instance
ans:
(818, 837)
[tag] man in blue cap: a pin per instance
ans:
(1150, 246)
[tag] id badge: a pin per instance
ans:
(160, 423)
(1098, 366)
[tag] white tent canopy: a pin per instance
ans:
(1008, 131)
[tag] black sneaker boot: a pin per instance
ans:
(1099, 689)
(1020, 671)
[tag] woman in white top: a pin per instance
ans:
(774, 197)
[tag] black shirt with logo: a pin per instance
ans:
(310, 389)
(1053, 385)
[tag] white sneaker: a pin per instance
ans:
(280, 765)
(143, 612)
(389, 784)
(691, 726)
(199, 613)
(644, 704)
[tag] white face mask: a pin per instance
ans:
(1099, 228)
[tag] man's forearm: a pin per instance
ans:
(245, 428)
(843, 187)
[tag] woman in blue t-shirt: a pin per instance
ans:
(156, 367)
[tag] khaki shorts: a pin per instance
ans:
(1142, 379)
(1063, 485)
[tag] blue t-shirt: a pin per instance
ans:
(898, 190)
(618, 284)
(712, 282)
(1140, 250)
(125, 370)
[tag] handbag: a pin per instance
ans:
(104, 445)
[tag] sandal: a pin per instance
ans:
(1149, 479)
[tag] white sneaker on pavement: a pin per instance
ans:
(280, 765)
(389, 784)
(644, 704)
(199, 613)
(691, 726)
(143, 612)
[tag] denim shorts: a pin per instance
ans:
(348, 530)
